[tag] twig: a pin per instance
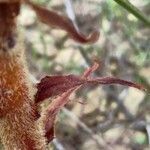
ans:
(96, 138)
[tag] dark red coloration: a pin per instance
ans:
(50, 132)
(53, 110)
(60, 86)
(56, 20)
(56, 85)
(58, 103)
(8, 14)
(63, 86)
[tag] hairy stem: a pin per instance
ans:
(19, 128)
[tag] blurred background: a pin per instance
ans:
(105, 117)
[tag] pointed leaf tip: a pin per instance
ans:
(63, 86)
(54, 19)
(113, 80)
(56, 85)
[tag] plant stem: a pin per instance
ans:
(135, 11)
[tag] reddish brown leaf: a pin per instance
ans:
(58, 103)
(54, 19)
(56, 85)
(64, 86)
(113, 80)
(50, 134)
(63, 99)
(52, 111)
